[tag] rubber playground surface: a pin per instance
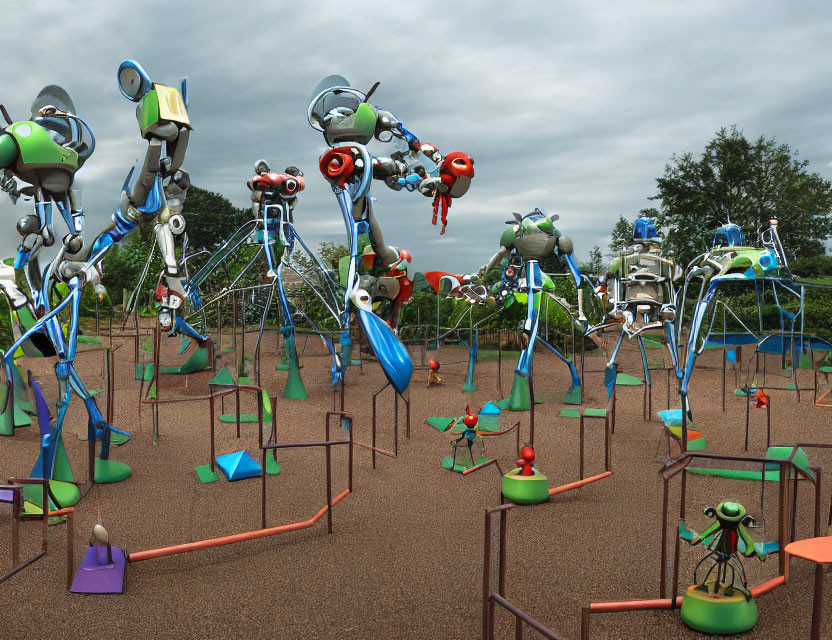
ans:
(405, 556)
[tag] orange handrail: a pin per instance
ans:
(578, 483)
(209, 543)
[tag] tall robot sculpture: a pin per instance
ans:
(349, 122)
(640, 297)
(155, 194)
(46, 152)
(531, 238)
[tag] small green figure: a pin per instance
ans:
(723, 539)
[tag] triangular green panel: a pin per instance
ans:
(625, 380)
(223, 378)
(440, 423)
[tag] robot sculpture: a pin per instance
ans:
(719, 604)
(529, 239)
(348, 122)
(638, 292)
(156, 192)
(45, 152)
(274, 197)
(730, 260)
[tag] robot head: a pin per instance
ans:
(644, 229)
(53, 110)
(728, 235)
(730, 511)
(133, 80)
(471, 419)
(341, 113)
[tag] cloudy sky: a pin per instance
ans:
(573, 107)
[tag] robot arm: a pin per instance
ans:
(495, 260)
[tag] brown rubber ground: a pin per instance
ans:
(405, 557)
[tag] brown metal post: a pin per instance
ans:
(373, 437)
(501, 582)
(263, 490)
(782, 522)
(211, 429)
(607, 455)
(395, 421)
(817, 501)
(531, 408)
(486, 575)
(237, 400)
(70, 541)
(768, 423)
(663, 555)
(407, 405)
(585, 614)
(817, 602)
(328, 481)
(18, 501)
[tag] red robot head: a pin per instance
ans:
(471, 419)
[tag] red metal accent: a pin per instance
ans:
(337, 166)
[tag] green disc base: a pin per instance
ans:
(282, 367)
(469, 386)
(110, 471)
(244, 417)
(205, 474)
(459, 467)
(525, 489)
(721, 614)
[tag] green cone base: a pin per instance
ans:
(295, 389)
(111, 471)
(518, 399)
(573, 396)
(272, 466)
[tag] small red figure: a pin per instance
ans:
(525, 461)
(433, 378)
(762, 398)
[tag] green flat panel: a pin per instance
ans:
(205, 474)
(244, 417)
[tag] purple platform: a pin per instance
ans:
(94, 575)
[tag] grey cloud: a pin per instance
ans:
(573, 107)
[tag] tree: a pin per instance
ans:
(622, 236)
(211, 218)
(748, 183)
(595, 264)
